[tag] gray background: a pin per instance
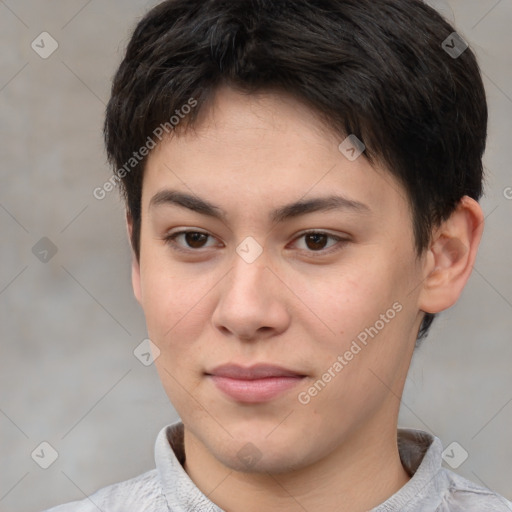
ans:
(69, 326)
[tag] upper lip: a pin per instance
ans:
(256, 371)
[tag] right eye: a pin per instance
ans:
(194, 240)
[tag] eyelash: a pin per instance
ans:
(170, 240)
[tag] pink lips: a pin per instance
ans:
(257, 383)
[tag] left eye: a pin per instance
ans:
(315, 241)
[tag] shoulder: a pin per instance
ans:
(463, 495)
(142, 493)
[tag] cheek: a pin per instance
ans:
(165, 301)
(364, 309)
(178, 309)
(345, 300)
(172, 307)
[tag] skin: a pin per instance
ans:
(296, 305)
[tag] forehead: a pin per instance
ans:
(255, 152)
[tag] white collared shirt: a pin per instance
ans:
(168, 488)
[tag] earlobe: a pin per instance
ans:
(136, 285)
(136, 279)
(451, 256)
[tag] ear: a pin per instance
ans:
(135, 263)
(451, 256)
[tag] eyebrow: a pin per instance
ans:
(286, 212)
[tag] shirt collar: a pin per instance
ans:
(420, 454)
(181, 493)
(419, 451)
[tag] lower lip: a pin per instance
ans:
(257, 390)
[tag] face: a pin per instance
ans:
(325, 291)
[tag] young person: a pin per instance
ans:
(302, 183)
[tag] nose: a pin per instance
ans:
(253, 301)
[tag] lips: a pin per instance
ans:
(257, 371)
(258, 383)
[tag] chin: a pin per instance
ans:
(255, 451)
(265, 461)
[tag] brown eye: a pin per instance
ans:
(191, 240)
(195, 240)
(316, 241)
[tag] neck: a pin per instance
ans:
(358, 475)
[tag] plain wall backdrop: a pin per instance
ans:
(69, 322)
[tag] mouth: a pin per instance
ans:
(255, 384)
